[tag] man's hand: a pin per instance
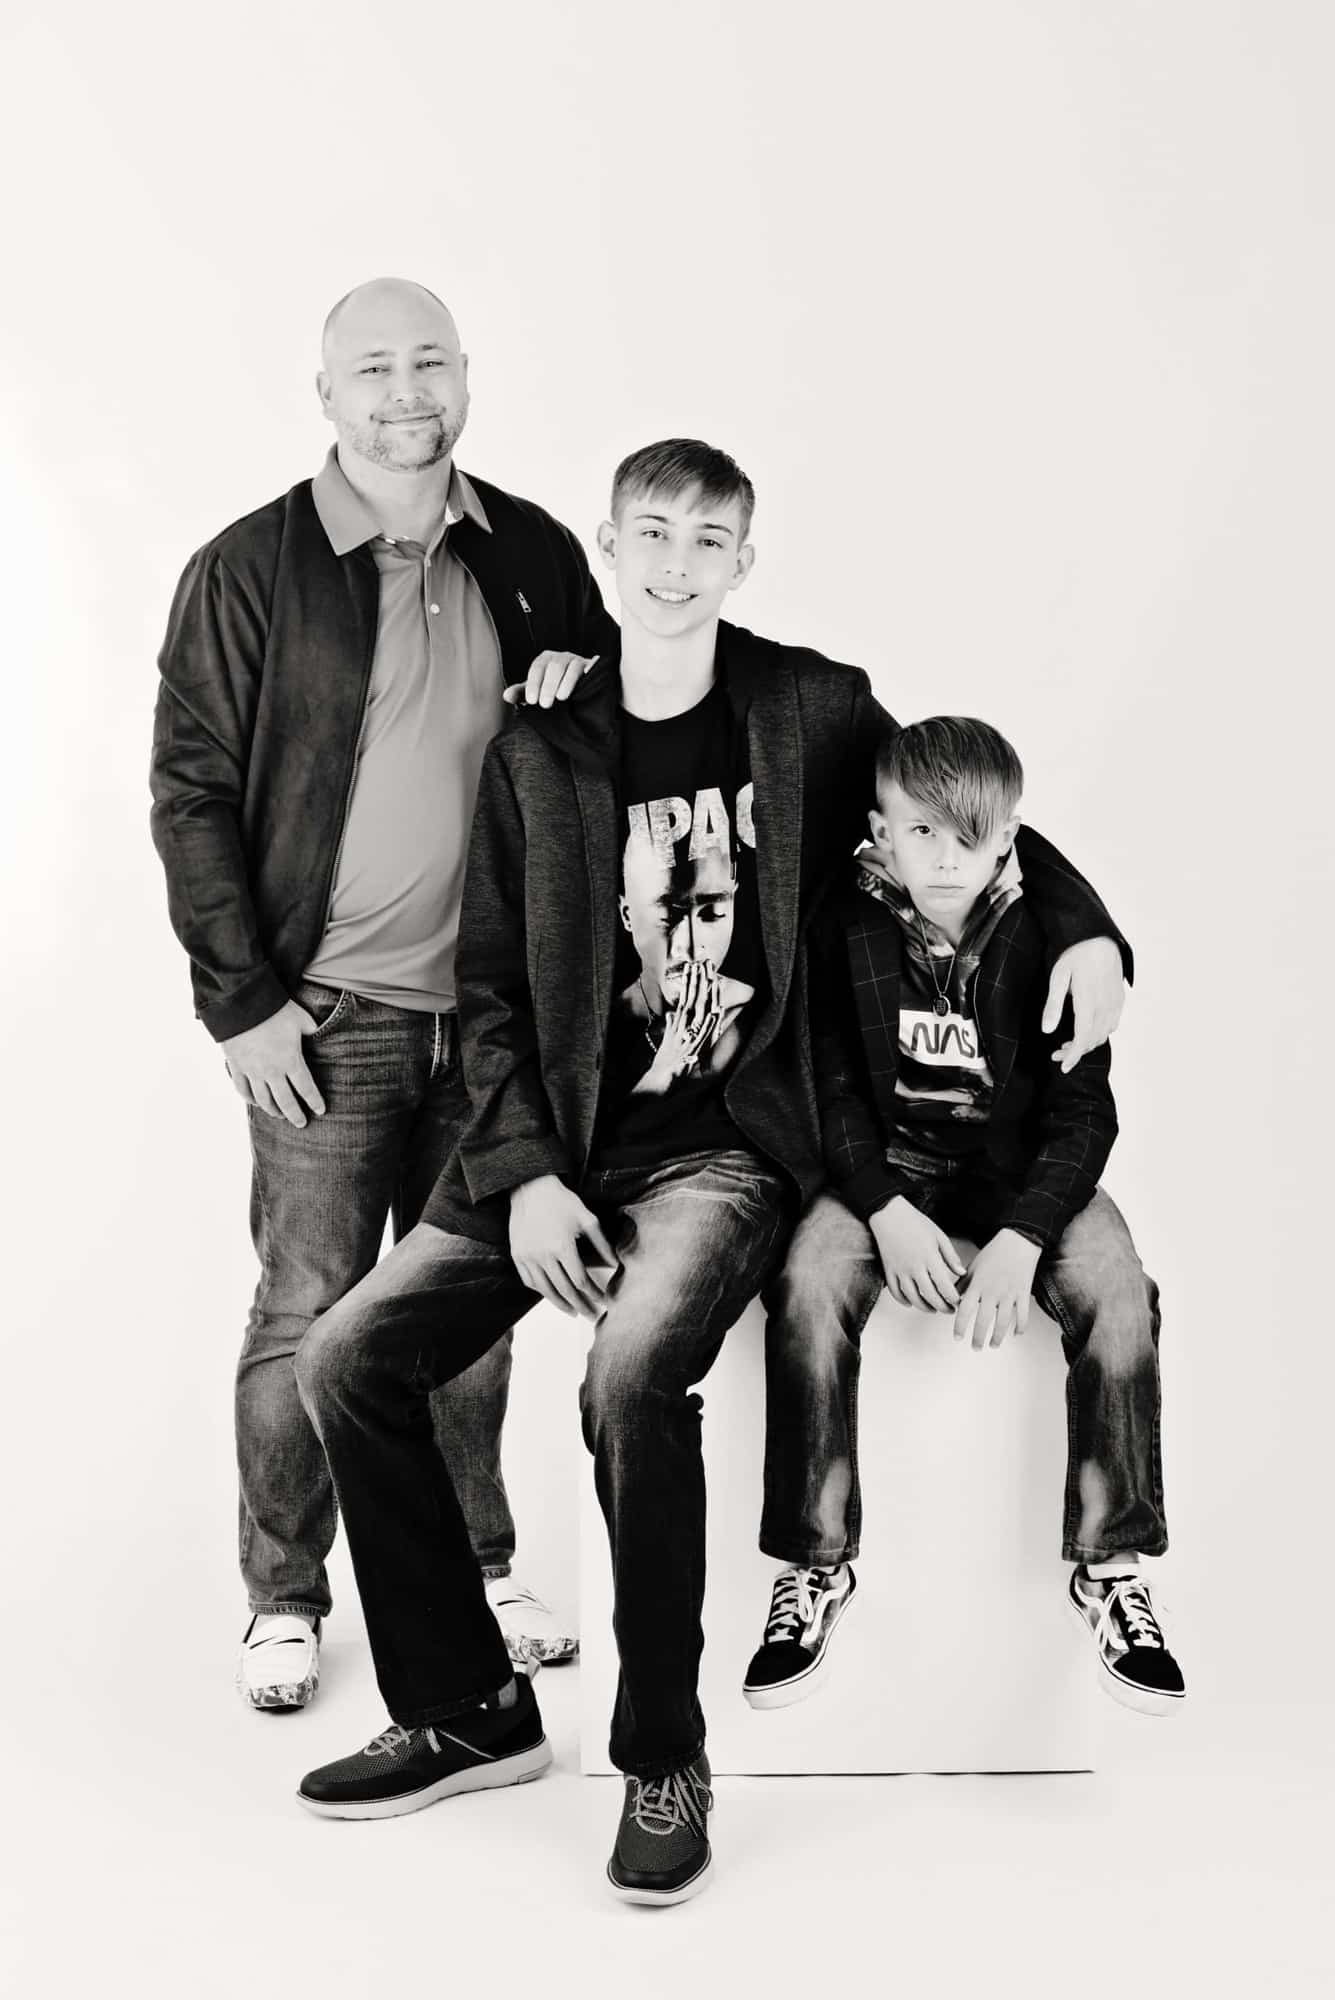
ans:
(996, 1298)
(552, 677)
(919, 1260)
(1092, 974)
(547, 1220)
(268, 1067)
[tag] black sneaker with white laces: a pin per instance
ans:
(402, 1770)
(662, 1844)
(1136, 1667)
(792, 1661)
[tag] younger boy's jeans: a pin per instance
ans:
(394, 1093)
(695, 1241)
(1095, 1289)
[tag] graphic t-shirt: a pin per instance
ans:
(944, 1087)
(690, 962)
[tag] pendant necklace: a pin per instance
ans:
(941, 1004)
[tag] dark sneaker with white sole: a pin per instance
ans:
(662, 1845)
(793, 1658)
(402, 1770)
(1135, 1664)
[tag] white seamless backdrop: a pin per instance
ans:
(1020, 317)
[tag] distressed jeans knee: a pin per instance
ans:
(1096, 1289)
(816, 1308)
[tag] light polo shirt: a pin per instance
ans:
(433, 705)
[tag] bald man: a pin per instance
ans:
(332, 672)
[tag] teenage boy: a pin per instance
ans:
(643, 1130)
(943, 1111)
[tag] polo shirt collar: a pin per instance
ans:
(349, 522)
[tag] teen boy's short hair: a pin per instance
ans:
(961, 770)
(681, 465)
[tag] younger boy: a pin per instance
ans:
(943, 1110)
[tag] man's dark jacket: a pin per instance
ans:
(538, 927)
(265, 671)
(1048, 1136)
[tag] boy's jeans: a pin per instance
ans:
(320, 1194)
(1095, 1289)
(695, 1239)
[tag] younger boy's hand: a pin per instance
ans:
(919, 1260)
(552, 677)
(996, 1298)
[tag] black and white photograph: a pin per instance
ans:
(670, 699)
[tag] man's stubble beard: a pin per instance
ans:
(371, 442)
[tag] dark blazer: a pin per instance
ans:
(1049, 1135)
(538, 927)
(265, 669)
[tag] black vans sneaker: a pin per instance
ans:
(662, 1845)
(792, 1661)
(1136, 1666)
(402, 1770)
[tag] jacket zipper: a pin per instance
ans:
(482, 596)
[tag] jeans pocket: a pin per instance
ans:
(324, 1004)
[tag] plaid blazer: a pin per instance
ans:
(1048, 1136)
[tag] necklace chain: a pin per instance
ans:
(649, 1012)
(941, 1005)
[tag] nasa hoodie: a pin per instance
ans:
(944, 1087)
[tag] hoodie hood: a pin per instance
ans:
(876, 879)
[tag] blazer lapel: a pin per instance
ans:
(595, 791)
(766, 693)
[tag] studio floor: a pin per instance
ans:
(159, 1851)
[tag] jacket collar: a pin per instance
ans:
(348, 521)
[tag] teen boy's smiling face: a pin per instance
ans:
(675, 559)
(944, 873)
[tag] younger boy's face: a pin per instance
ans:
(944, 873)
(675, 560)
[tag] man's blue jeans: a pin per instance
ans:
(320, 1196)
(695, 1241)
(1095, 1289)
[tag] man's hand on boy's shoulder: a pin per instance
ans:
(919, 1260)
(553, 677)
(1090, 975)
(995, 1301)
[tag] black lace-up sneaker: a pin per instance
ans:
(402, 1770)
(1136, 1666)
(662, 1846)
(792, 1661)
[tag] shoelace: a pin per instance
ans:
(791, 1606)
(664, 1805)
(1130, 1595)
(390, 1741)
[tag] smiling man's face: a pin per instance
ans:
(394, 383)
(675, 559)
